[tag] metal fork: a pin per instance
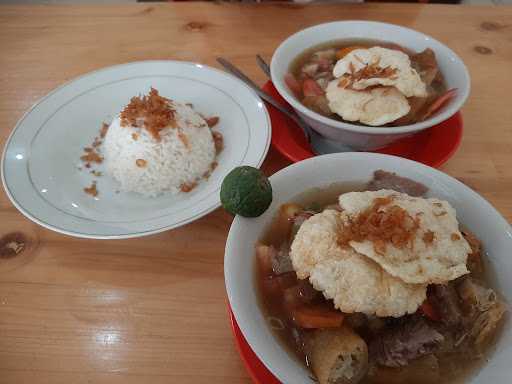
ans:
(265, 96)
(319, 144)
(263, 66)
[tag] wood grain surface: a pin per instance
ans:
(153, 310)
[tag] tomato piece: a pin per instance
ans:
(311, 88)
(440, 102)
(429, 311)
(293, 84)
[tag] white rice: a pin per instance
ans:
(169, 162)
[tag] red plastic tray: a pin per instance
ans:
(433, 146)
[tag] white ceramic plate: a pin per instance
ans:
(40, 159)
(321, 171)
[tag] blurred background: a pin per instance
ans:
(472, 2)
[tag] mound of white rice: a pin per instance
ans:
(183, 155)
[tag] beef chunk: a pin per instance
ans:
(389, 180)
(409, 341)
(419, 107)
(298, 220)
(301, 217)
(424, 370)
(447, 303)
(356, 320)
(281, 261)
(306, 291)
(475, 297)
(474, 262)
(486, 324)
(484, 310)
(300, 294)
(426, 64)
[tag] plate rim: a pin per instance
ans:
(133, 234)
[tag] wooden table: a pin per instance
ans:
(153, 310)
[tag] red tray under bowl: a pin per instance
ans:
(256, 369)
(433, 146)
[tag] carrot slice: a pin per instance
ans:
(345, 51)
(311, 88)
(429, 311)
(439, 102)
(318, 316)
(293, 84)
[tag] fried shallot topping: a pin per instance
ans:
(454, 237)
(392, 225)
(92, 190)
(152, 112)
(103, 130)
(369, 71)
(428, 237)
(187, 187)
(141, 163)
(212, 121)
(91, 156)
(97, 142)
(184, 139)
(208, 173)
(218, 140)
(474, 243)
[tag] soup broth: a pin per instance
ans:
(452, 362)
(311, 72)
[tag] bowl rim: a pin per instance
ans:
(233, 295)
(449, 111)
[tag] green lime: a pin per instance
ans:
(246, 191)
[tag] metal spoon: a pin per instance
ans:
(319, 144)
